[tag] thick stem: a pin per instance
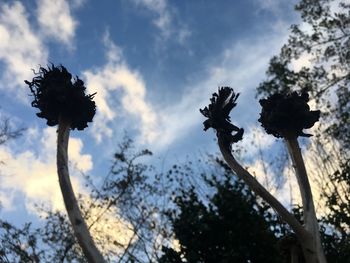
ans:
(310, 220)
(294, 254)
(80, 229)
(250, 180)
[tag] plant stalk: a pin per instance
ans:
(80, 229)
(310, 220)
(260, 190)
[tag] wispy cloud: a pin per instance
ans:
(165, 19)
(162, 12)
(270, 5)
(56, 21)
(35, 175)
(31, 177)
(276, 7)
(22, 44)
(119, 87)
(20, 47)
(241, 66)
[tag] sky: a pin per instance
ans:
(152, 64)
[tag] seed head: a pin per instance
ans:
(218, 112)
(57, 95)
(286, 115)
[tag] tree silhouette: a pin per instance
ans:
(231, 226)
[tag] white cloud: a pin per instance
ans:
(6, 200)
(270, 5)
(115, 77)
(56, 21)
(114, 54)
(35, 175)
(183, 34)
(77, 3)
(242, 67)
(304, 60)
(160, 7)
(20, 47)
(21, 43)
(276, 7)
(110, 226)
(164, 20)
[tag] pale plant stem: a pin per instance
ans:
(79, 226)
(309, 213)
(261, 191)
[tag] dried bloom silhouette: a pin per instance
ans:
(287, 115)
(64, 102)
(218, 112)
(283, 116)
(55, 95)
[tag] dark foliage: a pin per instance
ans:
(218, 112)
(287, 115)
(126, 192)
(54, 242)
(7, 132)
(18, 244)
(232, 226)
(340, 128)
(337, 241)
(56, 95)
(170, 256)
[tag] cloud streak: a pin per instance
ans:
(56, 21)
(241, 66)
(119, 87)
(20, 47)
(35, 175)
(165, 20)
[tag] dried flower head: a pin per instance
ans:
(56, 95)
(286, 115)
(218, 112)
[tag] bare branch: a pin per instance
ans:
(7, 132)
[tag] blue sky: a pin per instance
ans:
(153, 64)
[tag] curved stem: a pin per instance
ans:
(260, 190)
(80, 229)
(310, 220)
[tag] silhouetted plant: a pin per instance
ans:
(283, 115)
(63, 101)
(218, 112)
(56, 95)
(322, 38)
(286, 116)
